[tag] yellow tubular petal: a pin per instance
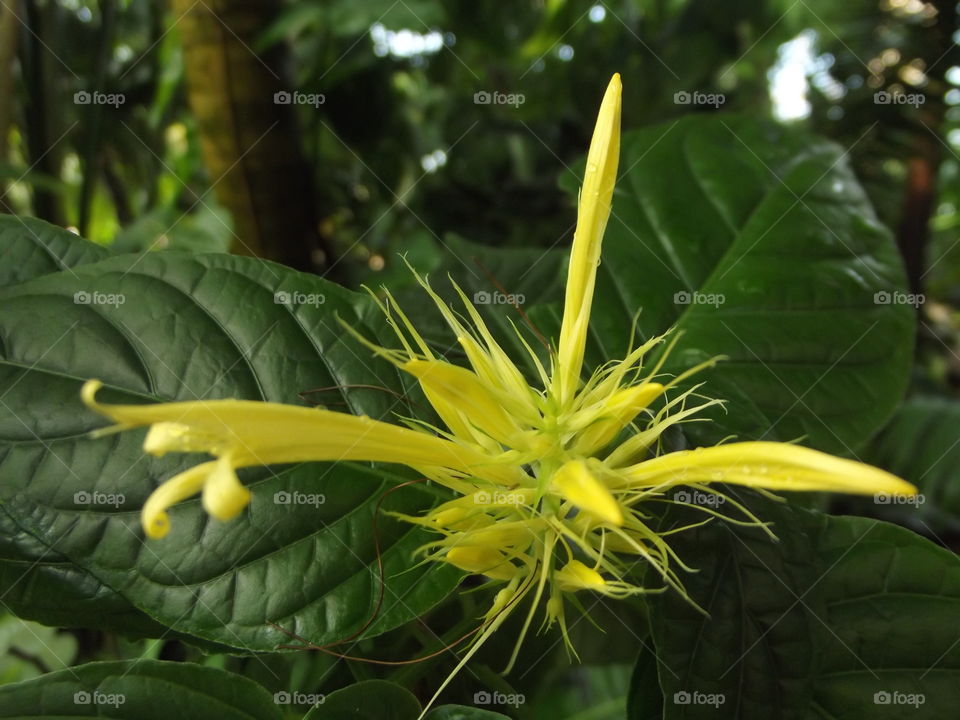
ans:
(462, 389)
(769, 465)
(592, 213)
(262, 433)
(154, 518)
(574, 482)
(223, 494)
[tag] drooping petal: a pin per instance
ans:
(154, 518)
(574, 482)
(224, 496)
(769, 465)
(593, 211)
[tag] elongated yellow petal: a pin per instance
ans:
(262, 433)
(769, 465)
(482, 561)
(593, 211)
(574, 482)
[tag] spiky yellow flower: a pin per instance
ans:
(551, 479)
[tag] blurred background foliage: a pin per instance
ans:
(402, 153)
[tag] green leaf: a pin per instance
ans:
(368, 700)
(30, 248)
(922, 444)
(170, 326)
(757, 243)
(138, 690)
(460, 712)
(815, 625)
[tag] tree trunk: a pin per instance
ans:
(250, 144)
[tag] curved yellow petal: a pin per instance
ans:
(153, 517)
(593, 211)
(574, 482)
(769, 465)
(613, 414)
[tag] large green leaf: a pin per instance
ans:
(368, 700)
(30, 248)
(138, 690)
(170, 326)
(767, 230)
(922, 444)
(840, 615)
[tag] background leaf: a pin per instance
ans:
(30, 248)
(368, 700)
(818, 624)
(138, 690)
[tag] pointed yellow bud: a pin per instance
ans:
(577, 576)
(615, 413)
(574, 482)
(481, 561)
(596, 197)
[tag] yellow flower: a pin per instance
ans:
(548, 502)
